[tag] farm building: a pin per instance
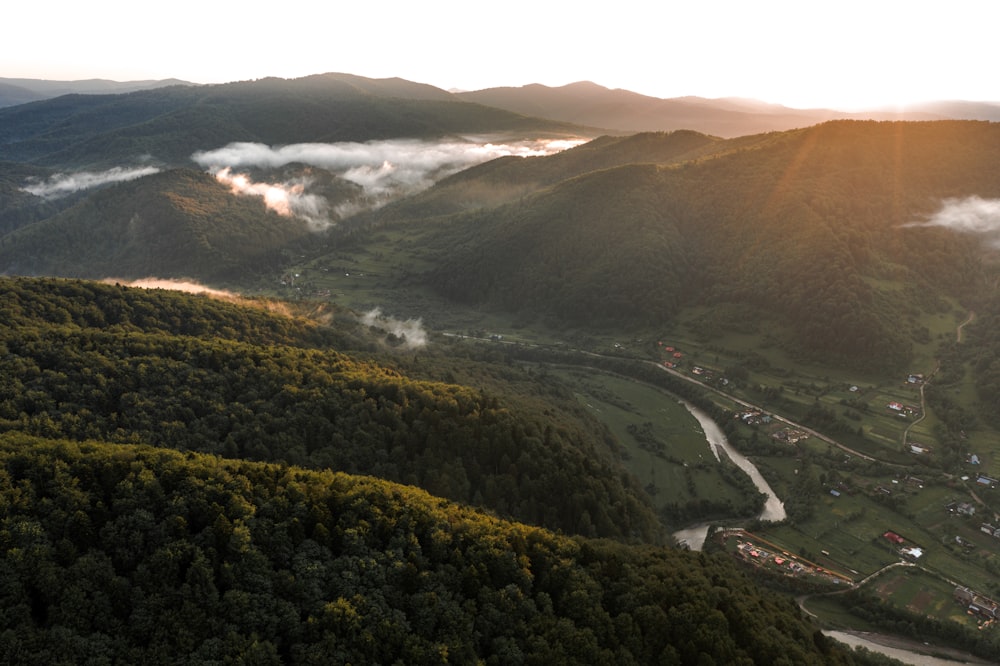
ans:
(987, 481)
(963, 508)
(976, 603)
(986, 528)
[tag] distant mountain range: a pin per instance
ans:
(21, 91)
(169, 124)
(587, 103)
(583, 103)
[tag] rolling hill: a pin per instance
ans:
(88, 360)
(169, 124)
(812, 227)
(149, 555)
(174, 223)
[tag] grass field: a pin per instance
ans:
(920, 592)
(670, 456)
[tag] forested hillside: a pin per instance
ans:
(89, 361)
(813, 228)
(508, 179)
(116, 553)
(177, 223)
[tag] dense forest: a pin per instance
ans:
(180, 223)
(90, 361)
(121, 543)
(125, 553)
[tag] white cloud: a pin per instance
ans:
(382, 168)
(173, 285)
(288, 198)
(411, 331)
(973, 215)
(62, 184)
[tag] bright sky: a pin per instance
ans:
(840, 54)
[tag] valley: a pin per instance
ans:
(855, 454)
(498, 384)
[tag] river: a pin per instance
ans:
(774, 510)
(894, 647)
(694, 536)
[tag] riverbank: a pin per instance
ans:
(906, 650)
(773, 511)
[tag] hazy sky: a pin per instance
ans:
(843, 53)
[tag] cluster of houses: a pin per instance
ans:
(752, 551)
(674, 355)
(977, 604)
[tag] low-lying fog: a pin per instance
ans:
(379, 171)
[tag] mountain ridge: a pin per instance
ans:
(591, 104)
(15, 91)
(169, 124)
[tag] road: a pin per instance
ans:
(699, 383)
(749, 405)
(958, 331)
(776, 417)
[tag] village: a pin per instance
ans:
(759, 552)
(756, 551)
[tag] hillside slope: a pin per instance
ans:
(508, 179)
(89, 361)
(811, 226)
(177, 223)
(150, 556)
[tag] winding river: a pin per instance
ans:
(774, 510)
(694, 536)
